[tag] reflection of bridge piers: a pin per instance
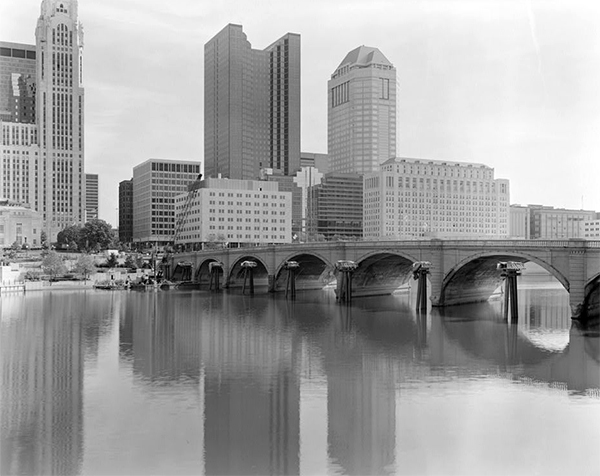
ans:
(462, 271)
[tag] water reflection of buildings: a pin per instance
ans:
(242, 357)
(361, 401)
(42, 384)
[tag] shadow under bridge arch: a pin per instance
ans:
(477, 278)
(381, 273)
(202, 275)
(313, 272)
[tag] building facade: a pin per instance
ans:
(336, 207)
(361, 112)
(251, 105)
(19, 224)
(316, 160)
(239, 212)
(91, 197)
(42, 115)
(519, 222)
(126, 211)
(17, 82)
(156, 182)
(414, 198)
(591, 229)
(557, 223)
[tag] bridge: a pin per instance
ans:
(461, 272)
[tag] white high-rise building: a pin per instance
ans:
(43, 119)
(361, 112)
(417, 198)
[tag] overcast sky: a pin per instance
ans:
(511, 84)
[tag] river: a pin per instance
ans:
(191, 382)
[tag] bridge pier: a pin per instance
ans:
(576, 283)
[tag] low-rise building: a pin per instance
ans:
(156, 183)
(19, 224)
(237, 212)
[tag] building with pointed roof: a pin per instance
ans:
(361, 112)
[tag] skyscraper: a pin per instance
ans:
(361, 112)
(251, 105)
(43, 120)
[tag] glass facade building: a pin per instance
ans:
(251, 105)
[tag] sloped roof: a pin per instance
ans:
(364, 55)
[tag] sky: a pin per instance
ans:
(514, 85)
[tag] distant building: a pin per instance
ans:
(361, 112)
(316, 160)
(417, 198)
(519, 222)
(91, 197)
(126, 211)
(557, 223)
(240, 212)
(591, 229)
(306, 180)
(19, 224)
(156, 183)
(336, 205)
(17, 82)
(251, 105)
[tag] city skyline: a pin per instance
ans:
(508, 84)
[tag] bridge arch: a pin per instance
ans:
(315, 271)
(235, 276)
(475, 278)
(591, 302)
(382, 271)
(201, 274)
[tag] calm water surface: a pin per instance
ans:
(175, 382)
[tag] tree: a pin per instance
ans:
(112, 261)
(133, 261)
(85, 266)
(69, 236)
(95, 235)
(53, 264)
(43, 240)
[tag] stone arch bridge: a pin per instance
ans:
(462, 271)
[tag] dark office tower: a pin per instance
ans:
(251, 105)
(17, 82)
(126, 211)
(337, 207)
(91, 197)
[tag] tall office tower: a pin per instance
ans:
(156, 183)
(91, 197)
(42, 118)
(59, 113)
(361, 111)
(126, 211)
(251, 105)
